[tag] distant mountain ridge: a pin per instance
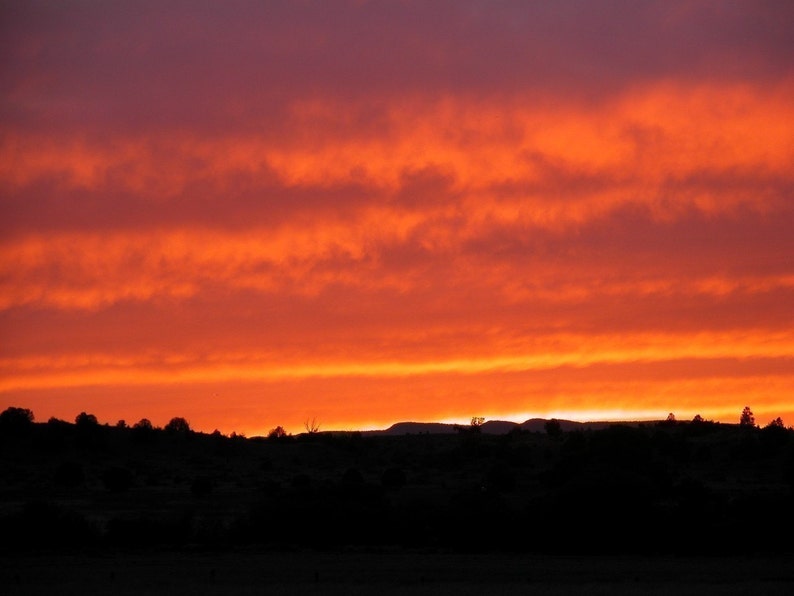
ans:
(493, 427)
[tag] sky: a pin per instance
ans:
(251, 214)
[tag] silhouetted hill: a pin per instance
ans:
(596, 487)
(492, 427)
(414, 428)
(498, 427)
(538, 425)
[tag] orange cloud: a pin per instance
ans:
(542, 353)
(92, 271)
(459, 237)
(259, 217)
(646, 137)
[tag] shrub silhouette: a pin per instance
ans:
(202, 486)
(775, 437)
(553, 428)
(277, 433)
(69, 473)
(393, 478)
(603, 500)
(352, 477)
(42, 525)
(148, 531)
(500, 477)
(620, 443)
(117, 479)
(694, 500)
(522, 491)
(301, 482)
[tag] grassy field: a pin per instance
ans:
(386, 573)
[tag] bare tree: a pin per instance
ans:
(311, 426)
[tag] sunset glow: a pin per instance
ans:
(365, 213)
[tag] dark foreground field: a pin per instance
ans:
(653, 508)
(352, 573)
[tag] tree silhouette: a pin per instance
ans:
(83, 420)
(747, 419)
(69, 473)
(352, 477)
(88, 433)
(201, 486)
(177, 426)
(775, 436)
(15, 421)
(277, 433)
(393, 478)
(46, 523)
(117, 479)
(142, 430)
(143, 424)
(553, 428)
(474, 427)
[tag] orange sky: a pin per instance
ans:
(364, 213)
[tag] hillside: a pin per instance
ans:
(667, 487)
(490, 427)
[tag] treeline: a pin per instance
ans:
(666, 487)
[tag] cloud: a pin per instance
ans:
(716, 149)
(275, 195)
(145, 65)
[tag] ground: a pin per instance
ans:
(386, 573)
